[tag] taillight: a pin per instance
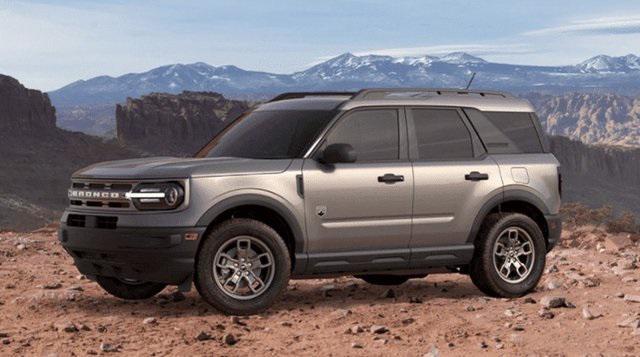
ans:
(559, 182)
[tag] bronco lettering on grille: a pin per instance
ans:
(78, 194)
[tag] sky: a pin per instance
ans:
(47, 44)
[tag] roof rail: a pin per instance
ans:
(297, 95)
(380, 93)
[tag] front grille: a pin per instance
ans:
(100, 195)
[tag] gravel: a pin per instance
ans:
(109, 347)
(378, 329)
(229, 339)
(632, 298)
(553, 302)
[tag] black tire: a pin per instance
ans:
(388, 279)
(482, 269)
(204, 279)
(129, 291)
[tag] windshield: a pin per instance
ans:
(269, 134)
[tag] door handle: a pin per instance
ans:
(390, 178)
(476, 176)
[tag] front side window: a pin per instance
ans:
(269, 134)
(441, 135)
(374, 134)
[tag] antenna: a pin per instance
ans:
(470, 80)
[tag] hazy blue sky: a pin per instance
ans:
(47, 44)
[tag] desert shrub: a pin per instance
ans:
(578, 214)
(625, 223)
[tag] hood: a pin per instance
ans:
(174, 167)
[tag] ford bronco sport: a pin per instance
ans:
(384, 184)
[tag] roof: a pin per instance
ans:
(328, 102)
(479, 99)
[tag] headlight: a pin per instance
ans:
(157, 196)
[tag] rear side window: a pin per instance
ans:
(441, 135)
(374, 134)
(506, 132)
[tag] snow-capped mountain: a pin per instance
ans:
(608, 64)
(171, 79)
(349, 71)
(619, 75)
(461, 58)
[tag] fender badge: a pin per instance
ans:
(321, 210)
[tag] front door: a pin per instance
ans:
(358, 215)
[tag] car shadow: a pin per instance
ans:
(342, 293)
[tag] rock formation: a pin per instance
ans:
(24, 109)
(177, 125)
(599, 175)
(605, 119)
(37, 158)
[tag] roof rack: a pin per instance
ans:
(297, 95)
(392, 93)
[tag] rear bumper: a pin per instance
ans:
(147, 254)
(554, 223)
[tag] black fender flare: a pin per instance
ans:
(513, 194)
(257, 200)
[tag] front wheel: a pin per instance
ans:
(509, 255)
(243, 266)
(129, 289)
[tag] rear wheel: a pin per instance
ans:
(388, 279)
(509, 255)
(243, 267)
(129, 289)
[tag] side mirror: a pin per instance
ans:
(338, 153)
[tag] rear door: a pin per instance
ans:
(453, 178)
(357, 219)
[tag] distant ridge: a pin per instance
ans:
(349, 71)
(89, 105)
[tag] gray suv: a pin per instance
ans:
(386, 185)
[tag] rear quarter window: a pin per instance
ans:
(507, 132)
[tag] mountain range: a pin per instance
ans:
(349, 72)
(83, 105)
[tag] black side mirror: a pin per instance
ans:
(338, 153)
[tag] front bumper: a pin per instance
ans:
(554, 224)
(160, 255)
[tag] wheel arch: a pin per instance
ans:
(513, 200)
(262, 208)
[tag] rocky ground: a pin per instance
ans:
(587, 303)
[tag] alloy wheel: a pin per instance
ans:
(513, 255)
(243, 267)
